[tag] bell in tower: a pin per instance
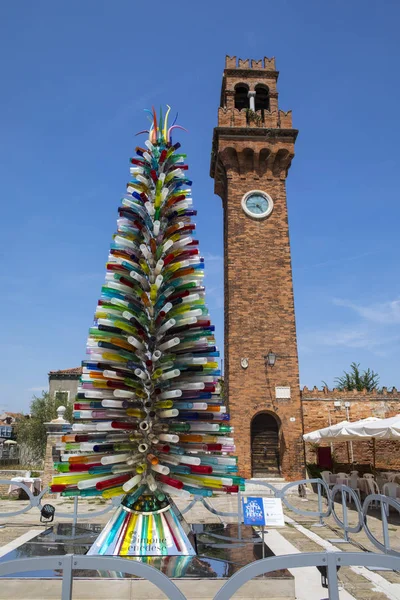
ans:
(253, 146)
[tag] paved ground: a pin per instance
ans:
(353, 582)
(299, 534)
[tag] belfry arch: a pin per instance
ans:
(241, 96)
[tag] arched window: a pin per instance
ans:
(241, 99)
(262, 97)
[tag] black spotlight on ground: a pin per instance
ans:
(324, 575)
(47, 513)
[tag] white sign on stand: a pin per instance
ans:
(273, 512)
(263, 511)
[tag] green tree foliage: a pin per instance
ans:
(31, 431)
(223, 394)
(355, 379)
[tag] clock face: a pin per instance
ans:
(257, 204)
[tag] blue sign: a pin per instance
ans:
(5, 431)
(253, 511)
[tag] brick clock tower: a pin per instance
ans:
(253, 146)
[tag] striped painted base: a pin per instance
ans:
(137, 533)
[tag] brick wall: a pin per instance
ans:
(319, 411)
(260, 316)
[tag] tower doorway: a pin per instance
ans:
(265, 446)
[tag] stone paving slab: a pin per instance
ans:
(355, 584)
(360, 541)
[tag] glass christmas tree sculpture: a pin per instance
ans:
(148, 419)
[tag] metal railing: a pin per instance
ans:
(36, 502)
(324, 496)
(344, 492)
(330, 560)
(70, 562)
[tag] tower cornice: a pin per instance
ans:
(252, 73)
(257, 134)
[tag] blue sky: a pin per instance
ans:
(75, 78)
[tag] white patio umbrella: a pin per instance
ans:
(326, 433)
(376, 429)
(370, 428)
(343, 431)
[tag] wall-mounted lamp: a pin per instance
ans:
(270, 359)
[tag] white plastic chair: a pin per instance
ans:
(353, 483)
(369, 476)
(344, 481)
(390, 489)
(380, 481)
(373, 489)
(325, 476)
